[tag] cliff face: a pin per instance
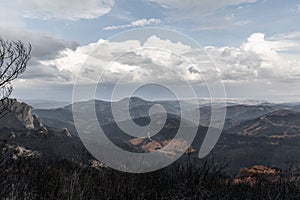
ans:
(20, 116)
(23, 114)
(23, 135)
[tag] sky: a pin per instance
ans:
(251, 47)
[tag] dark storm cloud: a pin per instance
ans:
(44, 47)
(45, 73)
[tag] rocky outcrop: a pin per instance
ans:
(20, 116)
(23, 114)
(66, 132)
(23, 136)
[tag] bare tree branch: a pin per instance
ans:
(14, 57)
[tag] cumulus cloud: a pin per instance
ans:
(258, 59)
(270, 59)
(267, 62)
(138, 23)
(57, 9)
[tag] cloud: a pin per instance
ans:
(195, 7)
(46, 73)
(268, 62)
(242, 22)
(289, 36)
(271, 46)
(138, 23)
(258, 59)
(229, 17)
(222, 24)
(44, 47)
(211, 27)
(229, 22)
(57, 9)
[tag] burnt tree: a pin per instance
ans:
(14, 57)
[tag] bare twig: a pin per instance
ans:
(14, 57)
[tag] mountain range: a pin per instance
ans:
(263, 134)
